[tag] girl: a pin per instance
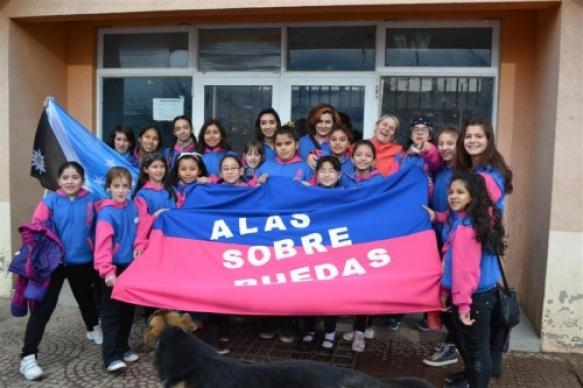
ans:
(213, 145)
(71, 212)
(364, 172)
(386, 148)
(266, 125)
(328, 174)
(287, 163)
(123, 141)
(420, 151)
(149, 140)
(185, 141)
(117, 222)
(232, 171)
(188, 170)
(321, 120)
(153, 194)
(253, 158)
(476, 150)
(471, 271)
(340, 141)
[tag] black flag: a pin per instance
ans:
(47, 155)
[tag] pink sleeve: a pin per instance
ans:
(253, 182)
(492, 187)
(144, 225)
(103, 254)
(441, 217)
(214, 179)
(180, 198)
(42, 213)
(465, 266)
(432, 158)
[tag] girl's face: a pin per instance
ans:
(324, 125)
(327, 176)
(385, 130)
(458, 196)
(420, 134)
(475, 140)
(149, 141)
(188, 170)
(121, 143)
(285, 147)
(182, 130)
(156, 171)
(363, 158)
(252, 158)
(70, 181)
(339, 143)
(231, 171)
(446, 146)
(119, 189)
(212, 136)
(268, 125)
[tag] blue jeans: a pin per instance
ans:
(475, 342)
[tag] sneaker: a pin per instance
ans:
(369, 333)
(268, 334)
(455, 378)
(116, 366)
(358, 342)
(422, 325)
(222, 350)
(329, 341)
(348, 336)
(286, 337)
(96, 335)
(30, 369)
(130, 356)
(393, 324)
(446, 355)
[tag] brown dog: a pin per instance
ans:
(160, 319)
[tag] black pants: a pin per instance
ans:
(81, 278)
(329, 324)
(116, 321)
(475, 342)
(361, 322)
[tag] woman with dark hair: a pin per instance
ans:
(149, 140)
(185, 140)
(265, 126)
(213, 145)
(122, 140)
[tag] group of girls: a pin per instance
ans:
(468, 180)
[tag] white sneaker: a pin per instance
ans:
(368, 334)
(96, 335)
(130, 356)
(30, 369)
(358, 343)
(116, 366)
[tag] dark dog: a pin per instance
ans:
(184, 361)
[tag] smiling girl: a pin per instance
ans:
(185, 141)
(267, 123)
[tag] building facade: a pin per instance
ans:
(515, 62)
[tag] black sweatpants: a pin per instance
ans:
(81, 278)
(116, 322)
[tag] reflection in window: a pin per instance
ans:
(438, 47)
(347, 99)
(449, 101)
(331, 48)
(145, 50)
(129, 101)
(255, 49)
(237, 108)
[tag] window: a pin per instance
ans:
(438, 47)
(145, 50)
(331, 48)
(251, 49)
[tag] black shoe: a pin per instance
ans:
(456, 377)
(460, 384)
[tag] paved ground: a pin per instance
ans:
(70, 360)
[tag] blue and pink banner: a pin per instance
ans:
(287, 249)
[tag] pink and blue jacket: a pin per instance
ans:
(494, 185)
(309, 144)
(467, 267)
(170, 154)
(294, 168)
(353, 180)
(149, 200)
(115, 232)
(269, 152)
(212, 159)
(74, 223)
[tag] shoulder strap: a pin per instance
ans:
(314, 142)
(502, 272)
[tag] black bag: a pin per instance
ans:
(506, 310)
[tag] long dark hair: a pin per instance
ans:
(202, 171)
(185, 118)
(485, 217)
(258, 134)
(224, 144)
(125, 130)
(491, 156)
(146, 129)
(143, 178)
